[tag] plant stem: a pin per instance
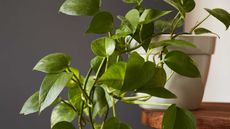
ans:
(198, 24)
(91, 118)
(114, 107)
(134, 98)
(171, 74)
(78, 81)
(80, 115)
(131, 49)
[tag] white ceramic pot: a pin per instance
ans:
(189, 91)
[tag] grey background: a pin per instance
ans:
(30, 29)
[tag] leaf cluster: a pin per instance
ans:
(111, 78)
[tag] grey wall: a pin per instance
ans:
(30, 29)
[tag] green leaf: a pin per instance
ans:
(103, 46)
(80, 7)
(172, 42)
(63, 125)
(177, 118)
(114, 123)
(95, 64)
(156, 91)
(188, 5)
(101, 23)
(133, 72)
(136, 75)
(133, 17)
(129, 23)
(114, 76)
(31, 105)
(101, 105)
(62, 112)
(53, 63)
(51, 87)
(221, 14)
(181, 64)
(150, 15)
(75, 99)
(158, 79)
(204, 31)
(144, 33)
(165, 25)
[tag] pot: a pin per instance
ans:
(189, 91)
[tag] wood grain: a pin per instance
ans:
(208, 116)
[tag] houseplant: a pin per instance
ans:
(112, 78)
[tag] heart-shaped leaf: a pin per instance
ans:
(101, 23)
(181, 64)
(80, 7)
(103, 46)
(63, 125)
(31, 105)
(51, 87)
(114, 76)
(177, 118)
(150, 15)
(53, 63)
(221, 14)
(62, 112)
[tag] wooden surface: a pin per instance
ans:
(209, 116)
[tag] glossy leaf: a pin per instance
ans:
(103, 46)
(172, 42)
(133, 17)
(202, 31)
(80, 7)
(136, 75)
(53, 63)
(31, 105)
(129, 23)
(101, 105)
(114, 123)
(156, 91)
(101, 23)
(114, 76)
(177, 118)
(150, 15)
(63, 125)
(133, 72)
(158, 79)
(188, 5)
(96, 62)
(62, 112)
(181, 64)
(51, 87)
(144, 33)
(75, 99)
(221, 14)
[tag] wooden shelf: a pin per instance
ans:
(208, 116)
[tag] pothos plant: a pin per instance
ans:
(110, 77)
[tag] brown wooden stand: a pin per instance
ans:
(208, 116)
